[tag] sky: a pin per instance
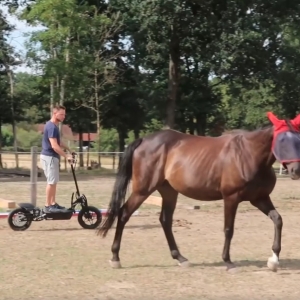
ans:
(17, 38)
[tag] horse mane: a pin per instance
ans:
(245, 131)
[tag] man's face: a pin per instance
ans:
(60, 115)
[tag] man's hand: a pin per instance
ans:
(70, 159)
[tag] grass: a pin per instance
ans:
(59, 260)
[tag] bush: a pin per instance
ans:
(25, 139)
(109, 141)
(7, 138)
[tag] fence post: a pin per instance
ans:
(280, 169)
(114, 160)
(33, 175)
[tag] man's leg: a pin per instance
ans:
(51, 170)
(45, 162)
(50, 194)
(55, 175)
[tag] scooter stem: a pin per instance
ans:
(75, 180)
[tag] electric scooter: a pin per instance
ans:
(21, 218)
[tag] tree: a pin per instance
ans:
(9, 59)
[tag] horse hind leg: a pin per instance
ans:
(230, 209)
(169, 200)
(130, 206)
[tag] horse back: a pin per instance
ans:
(203, 167)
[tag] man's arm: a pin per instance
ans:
(57, 148)
(64, 146)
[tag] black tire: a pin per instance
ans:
(82, 214)
(26, 215)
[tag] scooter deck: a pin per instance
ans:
(61, 215)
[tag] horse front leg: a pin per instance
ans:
(266, 206)
(133, 203)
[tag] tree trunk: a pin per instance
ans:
(1, 164)
(122, 136)
(201, 123)
(97, 108)
(88, 151)
(174, 77)
(98, 135)
(81, 162)
(136, 133)
(62, 92)
(191, 125)
(51, 97)
(63, 83)
(13, 121)
(53, 51)
(63, 80)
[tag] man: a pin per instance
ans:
(51, 151)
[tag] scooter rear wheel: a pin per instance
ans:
(19, 215)
(87, 214)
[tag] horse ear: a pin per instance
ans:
(289, 124)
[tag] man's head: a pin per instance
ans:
(58, 113)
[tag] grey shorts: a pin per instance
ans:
(50, 166)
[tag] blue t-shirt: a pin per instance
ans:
(50, 131)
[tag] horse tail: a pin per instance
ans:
(124, 176)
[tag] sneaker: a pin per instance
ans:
(58, 206)
(51, 209)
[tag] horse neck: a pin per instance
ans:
(263, 140)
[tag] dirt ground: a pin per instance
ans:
(59, 260)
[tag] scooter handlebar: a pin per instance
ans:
(73, 159)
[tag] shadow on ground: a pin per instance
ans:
(142, 227)
(285, 265)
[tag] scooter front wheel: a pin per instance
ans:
(19, 220)
(87, 215)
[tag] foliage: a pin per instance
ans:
(26, 138)
(125, 68)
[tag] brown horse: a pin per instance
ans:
(235, 167)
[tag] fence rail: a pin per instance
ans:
(85, 160)
(30, 160)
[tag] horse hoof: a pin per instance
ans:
(273, 265)
(230, 267)
(184, 264)
(115, 264)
